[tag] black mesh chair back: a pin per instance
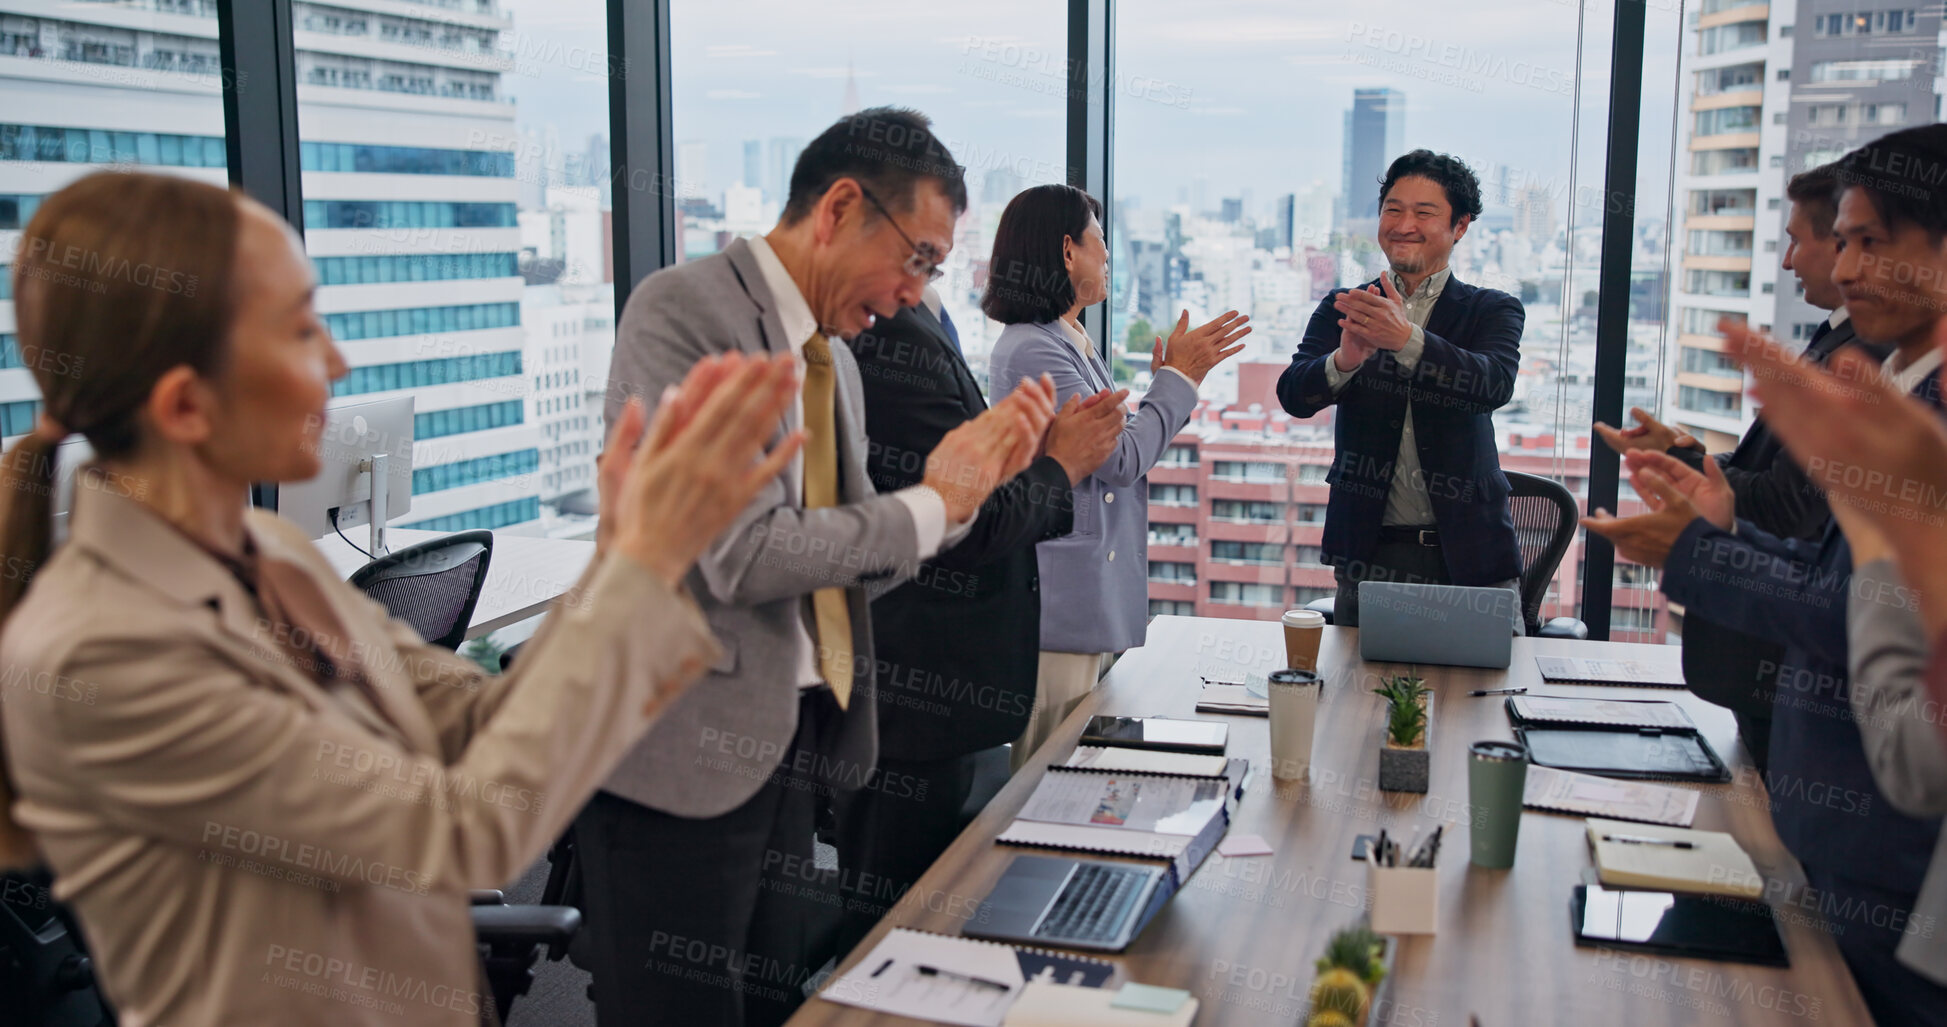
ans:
(1545, 516)
(432, 586)
(46, 975)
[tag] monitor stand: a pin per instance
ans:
(376, 466)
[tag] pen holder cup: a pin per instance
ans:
(1405, 900)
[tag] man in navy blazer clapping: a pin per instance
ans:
(1417, 362)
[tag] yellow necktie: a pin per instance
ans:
(829, 612)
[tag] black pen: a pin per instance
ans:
(1478, 692)
(1638, 839)
(934, 971)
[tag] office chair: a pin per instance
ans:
(432, 586)
(45, 973)
(1545, 516)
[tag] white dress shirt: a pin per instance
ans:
(926, 506)
(1906, 377)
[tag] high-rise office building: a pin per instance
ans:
(692, 169)
(1773, 91)
(1375, 133)
(1856, 75)
(596, 168)
(1534, 215)
(777, 169)
(1731, 165)
(1284, 223)
(753, 164)
(409, 177)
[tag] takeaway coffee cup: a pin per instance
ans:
(1294, 715)
(1302, 631)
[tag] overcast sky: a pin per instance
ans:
(1249, 95)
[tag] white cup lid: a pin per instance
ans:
(1303, 619)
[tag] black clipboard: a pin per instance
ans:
(1638, 754)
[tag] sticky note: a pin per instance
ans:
(1243, 845)
(1149, 998)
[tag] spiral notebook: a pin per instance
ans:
(1115, 759)
(1153, 816)
(1550, 709)
(956, 980)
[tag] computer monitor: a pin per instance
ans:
(366, 448)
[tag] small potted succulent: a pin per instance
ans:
(1404, 759)
(1349, 973)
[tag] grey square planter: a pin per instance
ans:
(1403, 770)
(1407, 770)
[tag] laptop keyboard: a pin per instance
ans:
(1093, 904)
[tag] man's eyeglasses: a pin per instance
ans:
(924, 262)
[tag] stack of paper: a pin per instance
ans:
(986, 984)
(957, 980)
(1585, 795)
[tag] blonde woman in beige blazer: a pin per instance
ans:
(265, 799)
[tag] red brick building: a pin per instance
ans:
(1237, 505)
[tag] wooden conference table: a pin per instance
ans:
(1243, 932)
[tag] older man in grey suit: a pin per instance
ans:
(702, 882)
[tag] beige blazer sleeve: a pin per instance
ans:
(191, 751)
(458, 695)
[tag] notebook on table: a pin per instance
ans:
(1580, 712)
(1233, 697)
(1044, 1004)
(1629, 855)
(1662, 671)
(1114, 759)
(956, 980)
(1152, 816)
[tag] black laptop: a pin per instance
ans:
(1073, 903)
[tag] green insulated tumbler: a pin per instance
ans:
(1496, 774)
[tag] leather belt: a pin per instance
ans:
(1428, 537)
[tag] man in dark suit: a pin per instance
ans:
(1417, 362)
(1726, 666)
(1863, 859)
(957, 645)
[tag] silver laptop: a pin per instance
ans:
(1074, 903)
(1455, 625)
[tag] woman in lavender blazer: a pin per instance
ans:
(1049, 263)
